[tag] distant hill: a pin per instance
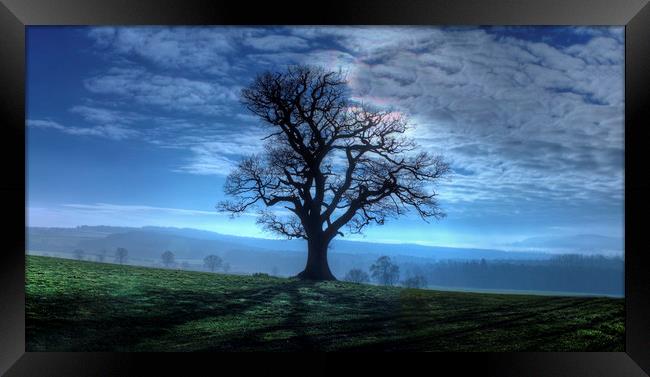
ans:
(194, 243)
(582, 243)
(245, 254)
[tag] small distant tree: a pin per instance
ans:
(226, 267)
(212, 262)
(78, 254)
(167, 258)
(274, 271)
(357, 275)
(121, 255)
(101, 256)
(384, 271)
(417, 281)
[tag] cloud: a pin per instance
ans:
(535, 122)
(219, 154)
(111, 209)
(38, 123)
(277, 43)
(538, 121)
(105, 116)
(206, 50)
(114, 132)
(167, 92)
(213, 148)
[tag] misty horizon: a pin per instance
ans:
(515, 247)
(452, 268)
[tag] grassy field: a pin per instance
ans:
(86, 306)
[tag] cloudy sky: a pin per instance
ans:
(139, 126)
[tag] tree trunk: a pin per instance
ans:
(317, 267)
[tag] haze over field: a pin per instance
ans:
(442, 267)
(194, 243)
(146, 122)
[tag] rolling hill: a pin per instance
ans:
(149, 242)
(87, 306)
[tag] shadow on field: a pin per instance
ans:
(316, 319)
(281, 315)
(76, 322)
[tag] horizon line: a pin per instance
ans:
(620, 253)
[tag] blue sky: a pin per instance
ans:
(139, 126)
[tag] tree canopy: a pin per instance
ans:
(331, 165)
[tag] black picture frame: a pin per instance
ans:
(15, 15)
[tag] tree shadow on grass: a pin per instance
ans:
(309, 318)
(457, 329)
(262, 337)
(303, 331)
(113, 323)
(124, 323)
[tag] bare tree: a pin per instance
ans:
(357, 275)
(384, 271)
(212, 262)
(101, 255)
(79, 254)
(167, 258)
(121, 255)
(226, 267)
(332, 163)
(417, 281)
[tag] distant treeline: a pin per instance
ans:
(565, 273)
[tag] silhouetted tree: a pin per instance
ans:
(78, 254)
(417, 281)
(212, 262)
(384, 271)
(226, 267)
(331, 162)
(357, 275)
(167, 258)
(101, 256)
(274, 271)
(121, 255)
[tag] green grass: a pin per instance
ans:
(86, 306)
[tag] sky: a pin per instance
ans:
(137, 126)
